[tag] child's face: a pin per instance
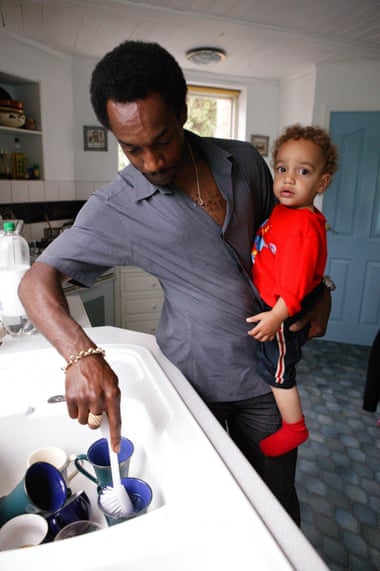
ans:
(298, 173)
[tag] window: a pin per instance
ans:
(212, 112)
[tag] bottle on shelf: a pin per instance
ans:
(14, 262)
(19, 161)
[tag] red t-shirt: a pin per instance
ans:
(289, 255)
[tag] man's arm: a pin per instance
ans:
(91, 385)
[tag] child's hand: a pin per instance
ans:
(266, 328)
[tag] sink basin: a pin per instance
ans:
(200, 517)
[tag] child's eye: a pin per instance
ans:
(303, 171)
(281, 170)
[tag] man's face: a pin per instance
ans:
(150, 135)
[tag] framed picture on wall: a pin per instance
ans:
(261, 142)
(94, 138)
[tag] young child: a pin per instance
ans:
(289, 256)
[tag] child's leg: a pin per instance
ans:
(293, 431)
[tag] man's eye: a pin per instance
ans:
(130, 151)
(162, 143)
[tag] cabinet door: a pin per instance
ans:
(141, 300)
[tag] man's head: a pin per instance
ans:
(132, 71)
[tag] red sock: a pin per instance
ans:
(288, 437)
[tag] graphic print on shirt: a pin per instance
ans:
(260, 243)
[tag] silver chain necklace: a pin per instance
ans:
(200, 199)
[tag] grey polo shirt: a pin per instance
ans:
(204, 269)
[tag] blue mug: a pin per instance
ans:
(140, 494)
(77, 507)
(99, 458)
(43, 488)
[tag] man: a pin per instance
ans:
(185, 210)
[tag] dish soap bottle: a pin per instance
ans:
(14, 262)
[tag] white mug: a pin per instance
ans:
(25, 530)
(57, 457)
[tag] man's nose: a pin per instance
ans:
(153, 161)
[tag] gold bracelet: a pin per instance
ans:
(75, 358)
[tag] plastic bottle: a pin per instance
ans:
(14, 262)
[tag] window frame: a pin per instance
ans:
(220, 93)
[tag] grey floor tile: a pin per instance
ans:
(338, 474)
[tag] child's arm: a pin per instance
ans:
(268, 321)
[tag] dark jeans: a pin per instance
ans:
(248, 422)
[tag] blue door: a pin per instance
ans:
(352, 207)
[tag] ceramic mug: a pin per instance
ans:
(23, 530)
(140, 494)
(43, 488)
(77, 507)
(56, 456)
(98, 457)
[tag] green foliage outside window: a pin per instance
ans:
(202, 114)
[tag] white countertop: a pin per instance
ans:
(258, 534)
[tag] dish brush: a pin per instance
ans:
(115, 498)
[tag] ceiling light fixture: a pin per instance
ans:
(206, 56)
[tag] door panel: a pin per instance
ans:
(352, 207)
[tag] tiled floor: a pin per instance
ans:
(338, 476)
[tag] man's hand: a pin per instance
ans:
(92, 386)
(317, 317)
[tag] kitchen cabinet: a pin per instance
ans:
(140, 300)
(28, 92)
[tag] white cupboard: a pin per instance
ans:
(139, 300)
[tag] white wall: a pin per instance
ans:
(297, 99)
(98, 166)
(346, 87)
(263, 110)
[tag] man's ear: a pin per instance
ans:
(324, 182)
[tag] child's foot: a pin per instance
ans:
(288, 437)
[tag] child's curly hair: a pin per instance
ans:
(318, 136)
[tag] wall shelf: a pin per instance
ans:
(27, 91)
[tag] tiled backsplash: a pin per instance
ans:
(46, 190)
(35, 201)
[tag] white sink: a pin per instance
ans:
(200, 517)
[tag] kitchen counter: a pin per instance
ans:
(210, 509)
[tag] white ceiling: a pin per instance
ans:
(262, 38)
